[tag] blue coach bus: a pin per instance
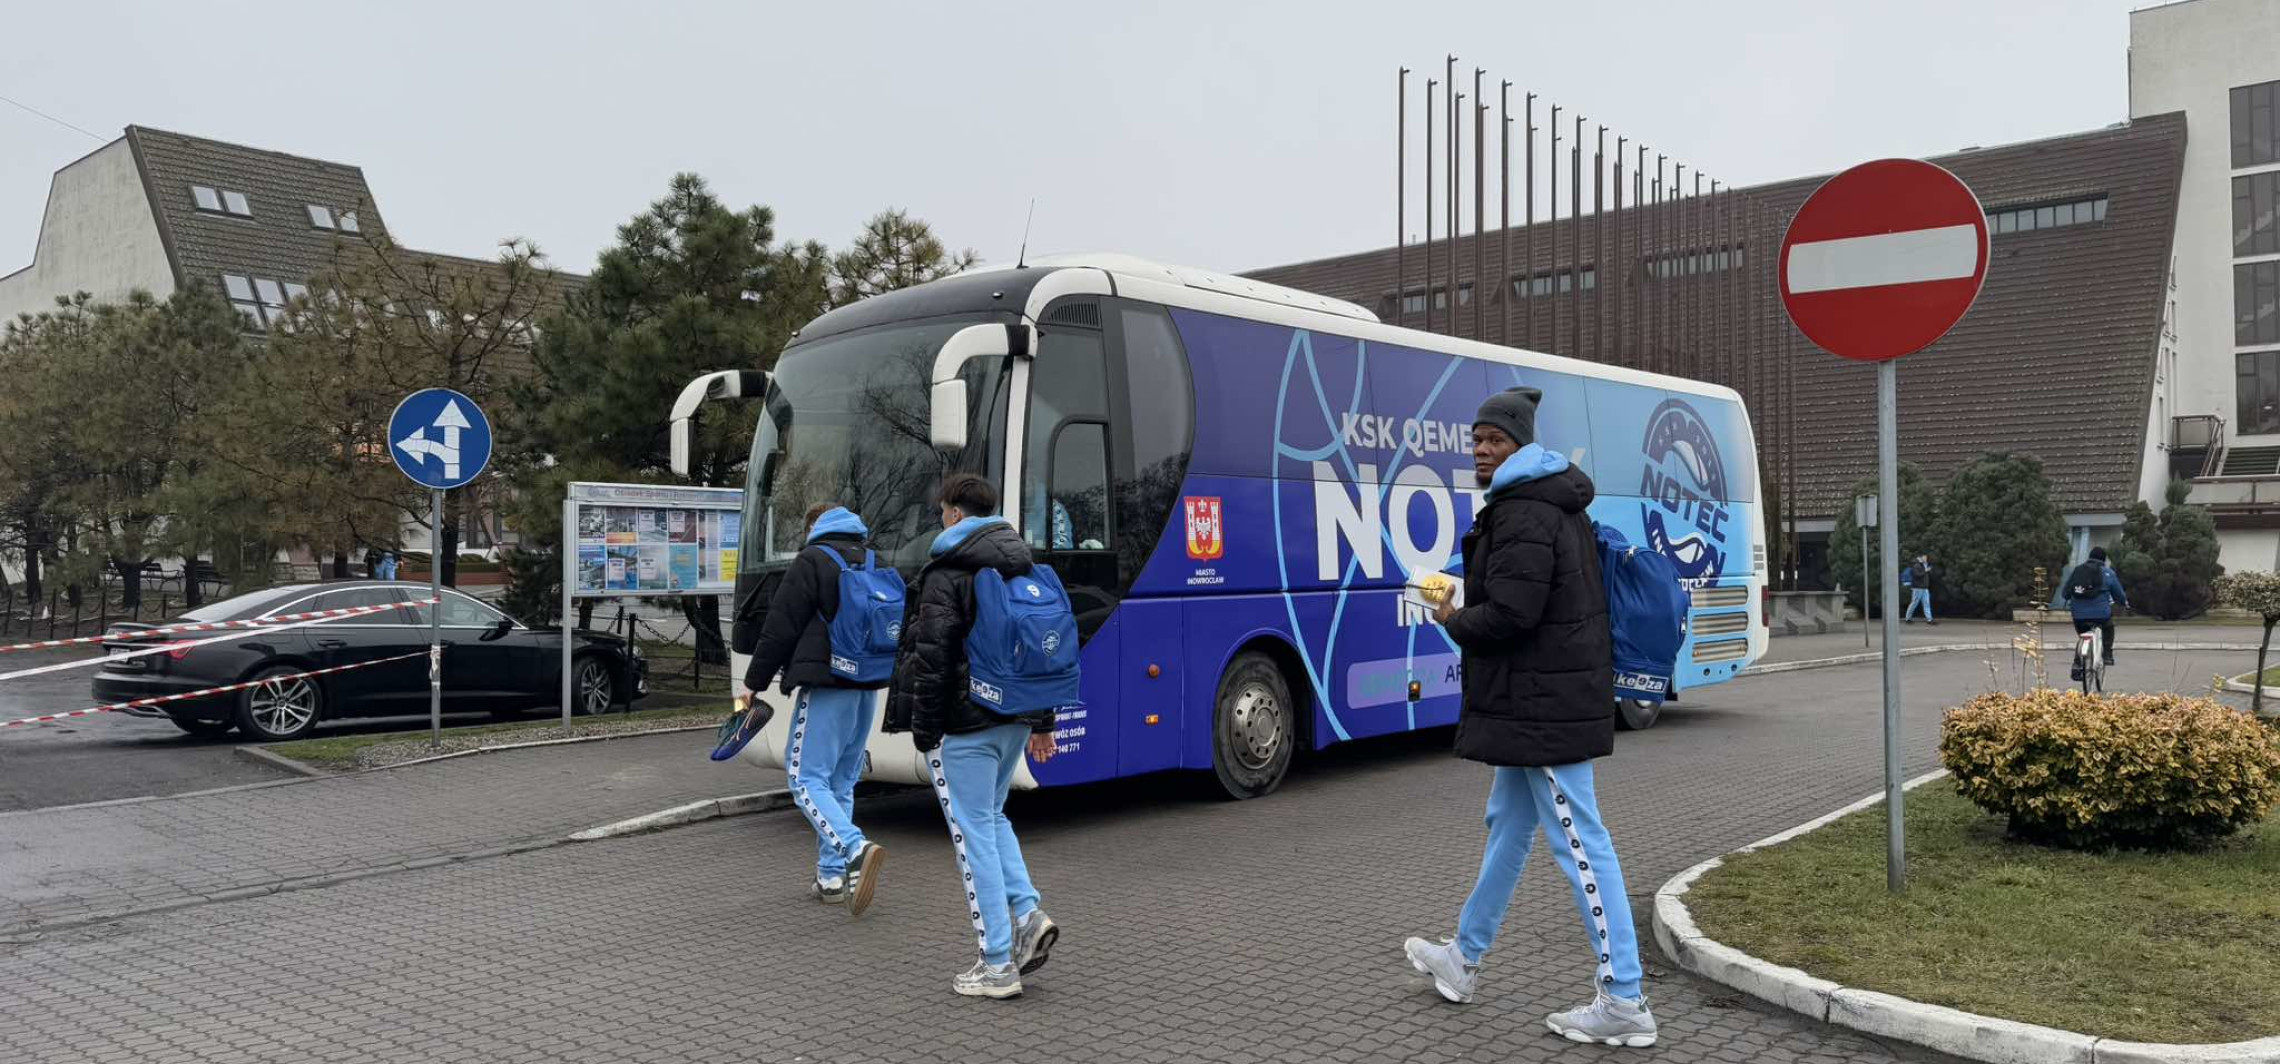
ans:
(1234, 480)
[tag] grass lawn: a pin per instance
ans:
(350, 752)
(2142, 947)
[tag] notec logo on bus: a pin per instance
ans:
(1206, 532)
(1682, 493)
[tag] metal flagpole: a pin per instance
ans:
(1401, 201)
(1622, 277)
(1552, 227)
(1528, 229)
(1504, 256)
(1455, 187)
(1482, 288)
(1428, 248)
(1575, 239)
(435, 616)
(1660, 274)
(1598, 250)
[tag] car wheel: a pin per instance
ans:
(1637, 714)
(1253, 727)
(204, 729)
(593, 685)
(281, 705)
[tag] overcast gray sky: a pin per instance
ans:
(1225, 134)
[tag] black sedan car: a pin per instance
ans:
(491, 662)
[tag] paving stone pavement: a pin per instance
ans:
(1195, 929)
(64, 864)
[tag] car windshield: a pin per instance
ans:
(846, 424)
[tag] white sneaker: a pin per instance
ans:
(987, 980)
(1607, 1021)
(1452, 977)
(831, 891)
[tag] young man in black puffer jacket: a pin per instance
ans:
(1539, 704)
(831, 715)
(971, 751)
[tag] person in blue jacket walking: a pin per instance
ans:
(2092, 592)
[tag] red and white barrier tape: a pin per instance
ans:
(208, 626)
(208, 692)
(322, 617)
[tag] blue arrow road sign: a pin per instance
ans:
(439, 438)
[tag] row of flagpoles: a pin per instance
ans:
(1661, 269)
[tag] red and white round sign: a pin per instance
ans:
(1883, 259)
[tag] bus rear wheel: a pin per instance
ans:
(1636, 714)
(1254, 727)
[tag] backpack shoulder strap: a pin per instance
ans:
(837, 558)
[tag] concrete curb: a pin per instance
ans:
(536, 743)
(1950, 1031)
(1872, 656)
(709, 809)
(260, 756)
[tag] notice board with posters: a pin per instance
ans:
(651, 539)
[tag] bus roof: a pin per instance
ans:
(1027, 289)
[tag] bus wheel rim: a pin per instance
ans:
(1257, 727)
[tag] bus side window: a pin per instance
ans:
(1067, 383)
(1078, 518)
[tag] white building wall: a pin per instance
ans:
(99, 236)
(2188, 57)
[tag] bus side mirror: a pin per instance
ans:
(726, 384)
(946, 421)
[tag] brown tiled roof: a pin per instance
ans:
(278, 242)
(2056, 359)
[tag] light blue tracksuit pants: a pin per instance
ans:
(824, 759)
(972, 773)
(1562, 801)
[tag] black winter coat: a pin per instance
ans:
(928, 698)
(1539, 674)
(795, 636)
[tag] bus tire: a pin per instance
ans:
(1636, 714)
(1254, 727)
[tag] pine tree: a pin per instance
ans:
(690, 288)
(1997, 525)
(1919, 525)
(2169, 563)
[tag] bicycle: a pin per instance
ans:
(2090, 661)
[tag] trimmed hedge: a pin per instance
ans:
(2102, 771)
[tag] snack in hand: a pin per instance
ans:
(1435, 587)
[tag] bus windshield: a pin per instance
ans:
(845, 424)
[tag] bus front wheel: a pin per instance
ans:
(1636, 714)
(1253, 727)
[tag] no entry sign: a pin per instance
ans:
(1883, 259)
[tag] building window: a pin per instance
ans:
(321, 217)
(261, 301)
(2256, 124)
(2256, 303)
(2257, 388)
(2253, 230)
(1544, 284)
(1687, 263)
(2046, 216)
(222, 201)
(348, 222)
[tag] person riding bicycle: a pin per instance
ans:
(2092, 591)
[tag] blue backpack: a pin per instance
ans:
(868, 626)
(1021, 655)
(1646, 609)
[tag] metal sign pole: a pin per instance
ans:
(435, 618)
(569, 584)
(1888, 534)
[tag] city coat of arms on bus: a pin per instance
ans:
(1205, 541)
